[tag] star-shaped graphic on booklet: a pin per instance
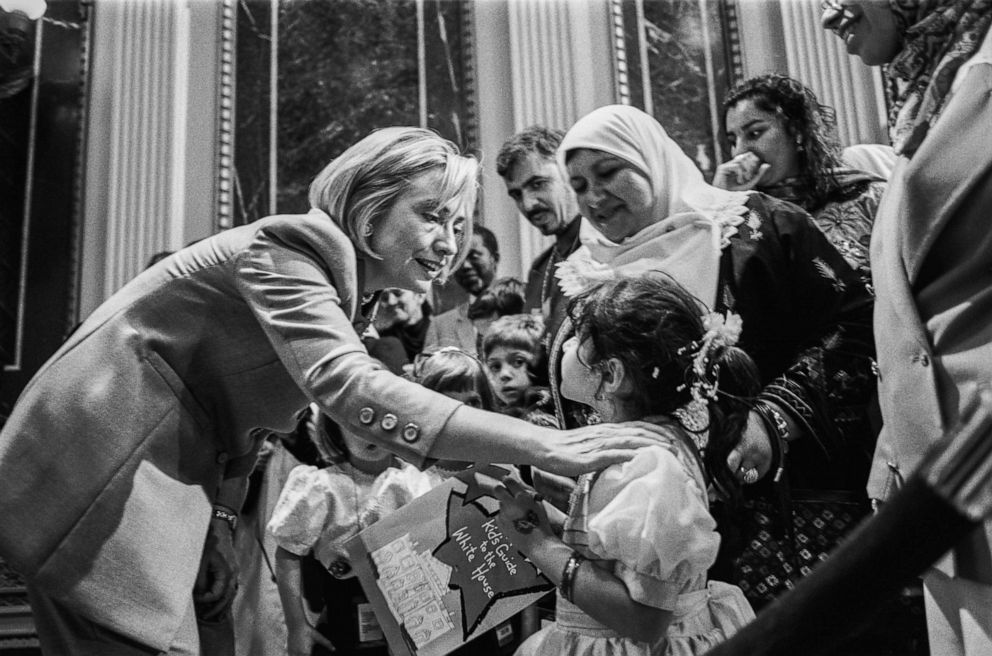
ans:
(486, 567)
(481, 479)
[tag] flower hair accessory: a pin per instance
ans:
(720, 331)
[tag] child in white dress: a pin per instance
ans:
(321, 508)
(634, 550)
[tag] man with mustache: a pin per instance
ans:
(526, 162)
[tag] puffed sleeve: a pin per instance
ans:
(649, 515)
(299, 278)
(302, 510)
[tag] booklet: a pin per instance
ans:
(439, 572)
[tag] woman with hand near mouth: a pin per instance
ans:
(784, 143)
(124, 462)
(930, 256)
(806, 314)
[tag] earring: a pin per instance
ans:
(367, 230)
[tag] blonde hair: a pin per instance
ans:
(362, 184)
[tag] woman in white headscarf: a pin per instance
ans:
(806, 313)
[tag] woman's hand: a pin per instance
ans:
(591, 448)
(522, 516)
(217, 580)
(751, 459)
(742, 173)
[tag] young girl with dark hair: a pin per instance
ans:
(631, 563)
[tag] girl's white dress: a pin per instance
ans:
(647, 521)
(321, 509)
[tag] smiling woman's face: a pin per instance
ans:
(867, 27)
(417, 241)
(613, 194)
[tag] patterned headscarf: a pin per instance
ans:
(939, 36)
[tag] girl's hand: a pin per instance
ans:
(753, 453)
(557, 490)
(742, 173)
(522, 517)
(302, 641)
(591, 448)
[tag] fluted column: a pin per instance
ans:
(561, 68)
(151, 152)
(147, 113)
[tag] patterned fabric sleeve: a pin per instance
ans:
(650, 516)
(808, 325)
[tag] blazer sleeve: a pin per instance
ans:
(294, 276)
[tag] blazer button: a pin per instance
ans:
(222, 457)
(366, 415)
(340, 568)
(411, 432)
(388, 421)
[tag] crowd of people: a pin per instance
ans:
(685, 367)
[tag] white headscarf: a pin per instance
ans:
(694, 219)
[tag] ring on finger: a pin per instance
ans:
(527, 523)
(750, 476)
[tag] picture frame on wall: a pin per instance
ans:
(674, 58)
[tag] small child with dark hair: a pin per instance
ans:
(516, 362)
(630, 559)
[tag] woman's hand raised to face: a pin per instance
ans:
(596, 447)
(741, 173)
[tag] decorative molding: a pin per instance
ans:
(79, 180)
(471, 88)
(225, 114)
(621, 62)
(22, 282)
(732, 41)
(549, 46)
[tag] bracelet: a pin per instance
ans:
(228, 515)
(781, 427)
(567, 585)
(778, 432)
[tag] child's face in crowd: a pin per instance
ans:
(470, 397)
(509, 374)
(579, 381)
(359, 449)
